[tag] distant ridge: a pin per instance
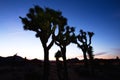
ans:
(18, 61)
(15, 59)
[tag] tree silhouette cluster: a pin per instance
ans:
(45, 22)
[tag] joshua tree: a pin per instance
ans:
(90, 53)
(58, 55)
(58, 64)
(90, 48)
(63, 39)
(43, 22)
(91, 57)
(85, 45)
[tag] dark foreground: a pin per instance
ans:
(17, 68)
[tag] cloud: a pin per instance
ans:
(116, 50)
(101, 53)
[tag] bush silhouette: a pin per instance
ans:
(58, 54)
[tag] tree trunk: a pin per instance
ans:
(59, 67)
(65, 64)
(46, 64)
(85, 58)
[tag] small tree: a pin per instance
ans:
(85, 45)
(43, 22)
(63, 39)
(90, 48)
(58, 54)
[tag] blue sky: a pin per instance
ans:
(100, 16)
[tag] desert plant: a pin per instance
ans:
(59, 64)
(43, 22)
(64, 37)
(85, 45)
(90, 48)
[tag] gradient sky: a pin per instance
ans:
(100, 16)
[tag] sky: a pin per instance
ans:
(99, 16)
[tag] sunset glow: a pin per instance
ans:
(102, 17)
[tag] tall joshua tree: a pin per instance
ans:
(43, 22)
(84, 44)
(64, 37)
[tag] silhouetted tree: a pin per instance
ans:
(117, 57)
(64, 37)
(90, 48)
(91, 57)
(90, 52)
(85, 45)
(43, 22)
(58, 64)
(58, 55)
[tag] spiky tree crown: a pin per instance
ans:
(65, 37)
(43, 21)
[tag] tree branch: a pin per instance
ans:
(51, 44)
